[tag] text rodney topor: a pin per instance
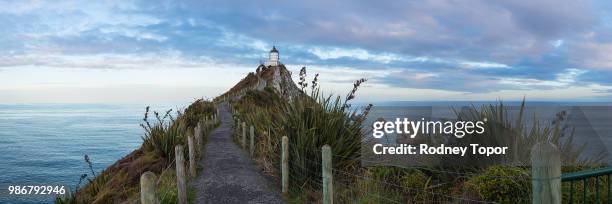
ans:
(425, 149)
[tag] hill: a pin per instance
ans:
(276, 77)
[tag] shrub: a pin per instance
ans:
(417, 184)
(505, 184)
(310, 125)
(310, 121)
(161, 139)
(266, 98)
(163, 136)
(502, 129)
(196, 111)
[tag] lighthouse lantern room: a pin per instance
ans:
(273, 59)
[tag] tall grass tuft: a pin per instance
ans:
(310, 124)
(309, 121)
(163, 136)
(501, 129)
(119, 182)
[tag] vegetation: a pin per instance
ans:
(501, 130)
(120, 182)
(167, 189)
(502, 184)
(311, 120)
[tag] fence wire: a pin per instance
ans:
(347, 183)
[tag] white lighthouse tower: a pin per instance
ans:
(273, 60)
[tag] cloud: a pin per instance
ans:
(592, 55)
(473, 46)
(169, 59)
(440, 28)
(133, 33)
(483, 65)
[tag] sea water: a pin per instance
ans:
(45, 144)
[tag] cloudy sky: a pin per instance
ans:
(163, 51)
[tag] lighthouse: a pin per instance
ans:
(273, 59)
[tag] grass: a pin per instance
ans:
(310, 121)
(502, 130)
(167, 189)
(120, 182)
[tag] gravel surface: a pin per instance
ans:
(228, 174)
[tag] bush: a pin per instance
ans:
(309, 121)
(197, 110)
(503, 129)
(161, 139)
(266, 98)
(504, 184)
(417, 184)
(163, 136)
(310, 125)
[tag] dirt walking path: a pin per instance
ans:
(229, 175)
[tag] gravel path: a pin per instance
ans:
(229, 175)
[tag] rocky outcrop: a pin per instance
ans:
(283, 84)
(276, 77)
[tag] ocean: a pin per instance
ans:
(44, 144)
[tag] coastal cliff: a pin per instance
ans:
(276, 77)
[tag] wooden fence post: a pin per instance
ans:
(210, 124)
(204, 123)
(546, 173)
(192, 157)
(238, 124)
(285, 164)
(147, 188)
(252, 140)
(237, 131)
(328, 177)
(243, 134)
(197, 132)
(181, 183)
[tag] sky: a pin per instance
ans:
(432, 50)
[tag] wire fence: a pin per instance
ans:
(360, 185)
(525, 175)
(356, 187)
(170, 174)
(392, 192)
(164, 195)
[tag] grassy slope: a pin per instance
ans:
(310, 122)
(119, 183)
